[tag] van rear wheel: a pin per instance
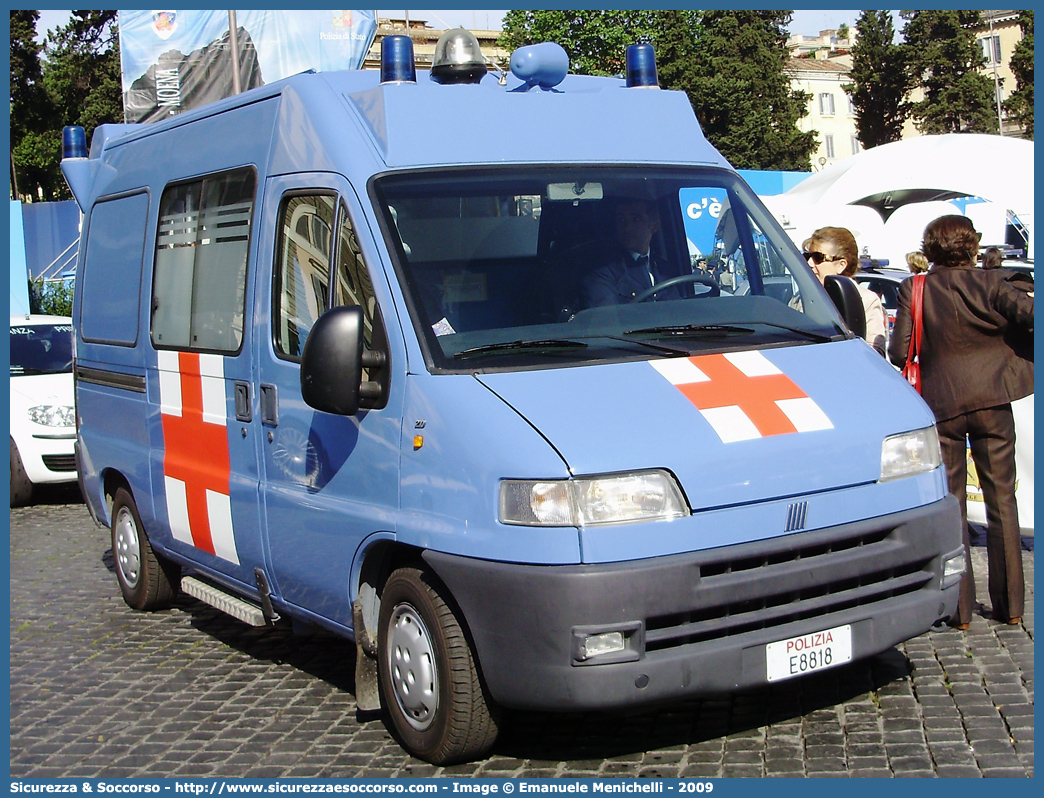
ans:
(430, 684)
(146, 581)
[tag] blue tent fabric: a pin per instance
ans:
(769, 182)
(19, 274)
(51, 230)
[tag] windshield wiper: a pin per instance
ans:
(667, 350)
(515, 346)
(710, 330)
(692, 330)
(563, 343)
(810, 335)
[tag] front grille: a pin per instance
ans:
(807, 551)
(801, 576)
(60, 462)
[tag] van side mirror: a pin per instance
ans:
(844, 293)
(333, 360)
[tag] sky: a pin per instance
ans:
(805, 22)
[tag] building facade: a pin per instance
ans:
(831, 113)
(424, 41)
(820, 65)
(998, 36)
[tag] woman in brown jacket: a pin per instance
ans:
(976, 359)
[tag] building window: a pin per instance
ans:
(991, 49)
(826, 104)
(828, 145)
(855, 144)
(851, 107)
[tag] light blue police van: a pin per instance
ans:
(344, 360)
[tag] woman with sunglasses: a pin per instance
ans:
(833, 250)
(976, 359)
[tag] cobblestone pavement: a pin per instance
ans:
(98, 690)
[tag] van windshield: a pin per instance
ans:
(533, 267)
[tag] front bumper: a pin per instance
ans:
(699, 621)
(47, 454)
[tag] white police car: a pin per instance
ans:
(43, 421)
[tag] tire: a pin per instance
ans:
(430, 685)
(21, 487)
(146, 581)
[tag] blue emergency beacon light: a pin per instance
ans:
(641, 67)
(74, 142)
(397, 64)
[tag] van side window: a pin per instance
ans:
(110, 278)
(302, 276)
(202, 244)
(353, 279)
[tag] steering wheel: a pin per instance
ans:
(715, 289)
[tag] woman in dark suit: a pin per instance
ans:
(976, 359)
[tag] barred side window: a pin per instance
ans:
(202, 246)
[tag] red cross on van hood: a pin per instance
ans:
(734, 428)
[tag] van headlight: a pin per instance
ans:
(910, 453)
(53, 415)
(591, 501)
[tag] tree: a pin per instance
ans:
(880, 80)
(83, 73)
(594, 40)
(742, 96)
(675, 43)
(943, 58)
(32, 112)
(729, 63)
(1019, 104)
(80, 85)
(51, 297)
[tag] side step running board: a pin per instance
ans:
(236, 607)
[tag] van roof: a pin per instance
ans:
(410, 125)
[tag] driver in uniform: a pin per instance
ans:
(633, 268)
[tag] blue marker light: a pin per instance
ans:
(74, 142)
(397, 64)
(641, 66)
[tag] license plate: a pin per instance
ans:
(815, 651)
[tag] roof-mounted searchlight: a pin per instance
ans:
(458, 58)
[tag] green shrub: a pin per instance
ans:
(51, 297)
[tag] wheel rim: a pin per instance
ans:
(128, 553)
(414, 676)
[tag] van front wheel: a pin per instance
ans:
(146, 581)
(430, 684)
